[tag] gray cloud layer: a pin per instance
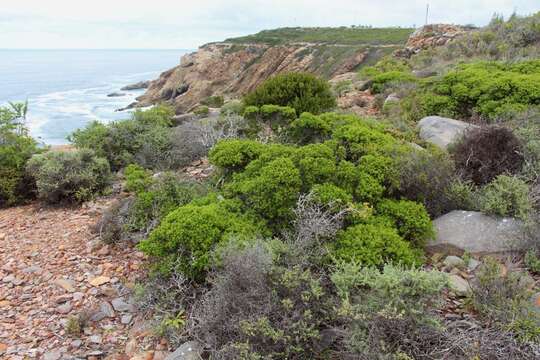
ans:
(183, 24)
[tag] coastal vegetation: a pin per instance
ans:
(308, 237)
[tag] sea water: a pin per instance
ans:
(67, 89)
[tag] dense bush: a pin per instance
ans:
(202, 110)
(73, 176)
(302, 92)
(186, 237)
(374, 244)
(137, 178)
(16, 148)
(506, 196)
(144, 139)
(215, 101)
(484, 153)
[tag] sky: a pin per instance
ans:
(180, 24)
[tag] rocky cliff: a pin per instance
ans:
(236, 66)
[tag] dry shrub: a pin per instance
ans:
(111, 225)
(486, 152)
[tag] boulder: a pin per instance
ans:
(116, 94)
(459, 285)
(392, 98)
(442, 131)
(472, 231)
(190, 350)
(137, 86)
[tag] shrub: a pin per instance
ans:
(160, 115)
(382, 81)
(187, 236)
(506, 196)
(137, 178)
(165, 194)
(505, 300)
(233, 107)
(215, 101)
(309, 128)
(234, 155)
(74, 176)
(202, 110)
(303, 92)
(532, 262)
(16, 148)
(484, 153)
(373, 244)
(410, 218)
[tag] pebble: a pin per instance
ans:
(64, 308)
(459, 285)
(54, 355)
(96, 339)
(126, 319)
(100, 280)
(454, 261)
(67, 285)
(120, 305)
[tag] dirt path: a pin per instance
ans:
(53, 268)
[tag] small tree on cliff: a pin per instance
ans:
(303, 92)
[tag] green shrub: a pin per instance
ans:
(232, 107)
(137, 178)
(234, 155)
(410, 218)
(202, 110)
(153, 202)
(186, 237)
(309, 128)
(532, 262)
(215, 101)
(303, 92)
(506, 196)
(74, 176)
(382, 81)
(331, 195)
(16, 148)
(160, 115)
(374, 245)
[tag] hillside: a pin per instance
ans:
(238, 65)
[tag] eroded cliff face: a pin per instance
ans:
(233, 70)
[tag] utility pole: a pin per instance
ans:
(427, 12)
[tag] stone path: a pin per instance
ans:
(53, 272)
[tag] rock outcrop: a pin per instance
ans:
(442, 131)
(233, 70)
(430, 36)
(476, 233)
(137, 86)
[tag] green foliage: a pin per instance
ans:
(137, 178)
(74, 176)
(300, 91)
(506, 196)
(341, 35)
(155, 200)
(144, 139)
(504, 298)
(202, 110)
(374, 244)
(186, 237)
(16, 148)
(234, 155)
(489, 89)
(532, 262)
(215, 101)
(233, 107)
(410, 218)
(331, 195)
(309, 128)
(382, 81)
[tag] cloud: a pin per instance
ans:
(182, 24)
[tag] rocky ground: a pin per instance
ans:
(55, 272)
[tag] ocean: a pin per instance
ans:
(67, 89)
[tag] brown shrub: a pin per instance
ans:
(486, 152)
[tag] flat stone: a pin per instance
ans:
(459, 285)
(126, 319)
(53, 355)
(190, 350)
(442, 131)
(96, 339)
(120, 305)
(32, 269)
(64, 308)
(76, 344)
(68, 285)
(472, 231)
(473, 264)
(100, 280)
(106, 308)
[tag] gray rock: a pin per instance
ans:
(392, 98)
(421, 74)
(136, 86)
(64, 308)
(442, 131)
(454, 261)
(459, 285)
(188, 351)
(96, 339)
(473, 264)
(472, 231)
(126, 319)
(52, 355)
(120, 305)
(116, 94)
(183, 118)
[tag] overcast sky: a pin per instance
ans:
(177, 24)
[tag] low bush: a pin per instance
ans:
(215, 101)
(392, 78)
(137, 178)
(74, 176)
(410, 218)
(506, 196)
(302, 92)
(16, 148)
(202, 110)
(532, 261)
(505, 299)
(186, 237)
(374, 244)
(484, 153)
